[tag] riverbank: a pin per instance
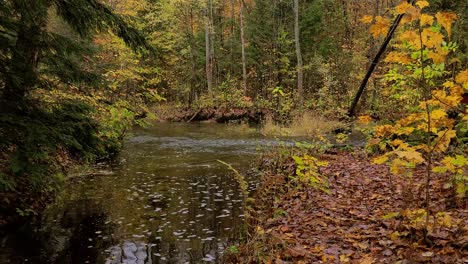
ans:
(41, 142)
(171, 113)
(367, 216)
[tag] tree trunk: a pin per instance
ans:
(209, 71)
(300, 70)
(193, 74)
(22, 73)
(244, 67)
(214, 69)
(231, 44)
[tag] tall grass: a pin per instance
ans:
(307, 124)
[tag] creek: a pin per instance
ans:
(165, 199)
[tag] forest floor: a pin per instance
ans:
(354, 222)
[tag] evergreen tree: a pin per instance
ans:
(28, 50)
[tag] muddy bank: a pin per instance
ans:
(219, 115)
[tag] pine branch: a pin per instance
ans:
(87, 17)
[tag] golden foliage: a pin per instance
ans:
(445, 19)
(398, 57)
(411, 37)
(380, 27)
(462, 78)
(422, 4)
(426, 20)
(403, 7)
(431, 38)
(364, 119)
(366, 19)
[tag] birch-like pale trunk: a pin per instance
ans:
(244, 66)
(300, 68)
(209, 71)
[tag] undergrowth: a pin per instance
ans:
(40, 142)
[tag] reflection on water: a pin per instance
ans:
(166, 201)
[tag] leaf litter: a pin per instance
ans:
(362, 219)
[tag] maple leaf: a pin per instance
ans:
(404, 131)
(462, 78)
(403, 7)
(380, 160)
(412, 14)
(431, 38)
(422, 4)
(426, 20)
(366, 19)
(412, 156)
(443, 140)
(398, 57)
(411, 37)
(438, 114)
(381, 131)
(437, 57)
(380, 27)
(445, 19)
(364, 119)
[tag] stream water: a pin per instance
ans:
(166, 200)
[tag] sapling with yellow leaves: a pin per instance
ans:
(422, 62)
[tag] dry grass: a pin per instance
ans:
(307, 124)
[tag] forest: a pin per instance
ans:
(234, 131)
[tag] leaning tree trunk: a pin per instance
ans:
(300, 70)
(375, 61)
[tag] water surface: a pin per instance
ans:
(166, 200)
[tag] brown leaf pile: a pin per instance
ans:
(348, 226)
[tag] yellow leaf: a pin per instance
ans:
(385, 130)
(436, 57)
(443, 140)
(405, 131)
(447, 220)
(380, 27)
(395, 235)
(448, 84)
(396, 142)
(422, 4)
(438, 114)
(403, 7)
(380, 160)
(260, 230)
(462, 78)
(398, 57)
(411, 156)
(426, 20)
(411, 14)
(397, 167)
(431, 38)
(344, 258)
(445, 19)
(366, 19)
(364, 119)
(411, 37)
